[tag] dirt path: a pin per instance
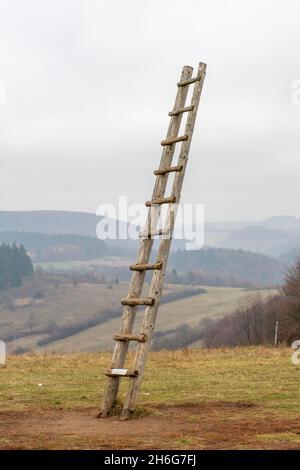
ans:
(217, 425)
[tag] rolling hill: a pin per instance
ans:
(237, 266)
(84, 317)
(44, 247)
(270, 241)
(272, 236)
(60, 222)
(290, 257)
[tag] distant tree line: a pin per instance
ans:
(181, 336)
(195, 277)
(227, 267)
(57, 247)
(253, 323)
(15, 264)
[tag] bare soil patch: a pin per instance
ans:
(212, 425)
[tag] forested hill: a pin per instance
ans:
(14, 265)
(50, 222)
(56, 247)
(234, 265)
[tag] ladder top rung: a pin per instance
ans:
(141, 338)
(121, 372)
(173, 140)
(162, 171)
(175, 112)
(190, 81)
(137, 301)
(146, 267)
(163, 200)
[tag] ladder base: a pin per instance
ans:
(126, 414)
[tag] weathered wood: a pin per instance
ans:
(137, 280)
(146, 266)
(127, 337)
(154, 233)
(174, 140)
(121, 372)
(156, 285)
(175, 112)
(160, 201)
(133, 301)
(190, 81)
(170, 169)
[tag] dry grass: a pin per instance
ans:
(257, 374)
(217, 302)
(227, 398)
(65, 305)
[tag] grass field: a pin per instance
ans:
(66, 305)
(61, 303)
(217, 302)
(110, 261)
(218, 399)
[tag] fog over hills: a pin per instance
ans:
(54, 222)
(273, 236)
(272, 242)
(50, 222)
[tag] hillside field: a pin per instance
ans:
(50, 299)
(243, 398)
(216, 302)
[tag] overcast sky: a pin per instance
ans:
(89, 84)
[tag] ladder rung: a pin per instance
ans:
(146, 267)
(174, 140)
(168, 170)
(121, 372)
(190, 81)
(163, 200)
(153, 233)
(134, 301)
(175, 112)
(127, 337)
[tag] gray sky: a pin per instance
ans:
(90, 82)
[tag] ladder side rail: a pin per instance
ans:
(189, 129)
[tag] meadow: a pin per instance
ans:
(53, 302)
(238, 398)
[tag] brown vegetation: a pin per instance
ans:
(253, 322)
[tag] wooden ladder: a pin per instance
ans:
(142, 265)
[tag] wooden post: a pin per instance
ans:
(276, 334)
(2, 354)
